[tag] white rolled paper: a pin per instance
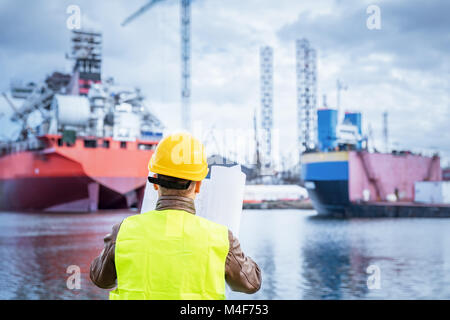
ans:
(220, 198)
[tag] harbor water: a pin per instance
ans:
(301, 257)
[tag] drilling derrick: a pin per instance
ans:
(306, 95)
(266, 63)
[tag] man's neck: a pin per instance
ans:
(174, 202)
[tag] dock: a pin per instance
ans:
(395, 210)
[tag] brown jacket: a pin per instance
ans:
(241, 272)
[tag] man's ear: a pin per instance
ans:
(197, 186)
(155, 186)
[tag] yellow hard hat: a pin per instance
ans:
(180, 155)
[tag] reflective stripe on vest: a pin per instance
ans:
(170, 254)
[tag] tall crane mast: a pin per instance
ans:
(306, 70)
(266, 79)
(185, 16)
(185, 22)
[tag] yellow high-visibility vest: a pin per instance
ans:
(170, 255)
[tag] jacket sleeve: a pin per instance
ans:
(103, 269)
(241, 272)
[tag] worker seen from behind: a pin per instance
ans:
(170, 253)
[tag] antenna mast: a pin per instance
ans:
(385, 131)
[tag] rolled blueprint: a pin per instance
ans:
(220, 198)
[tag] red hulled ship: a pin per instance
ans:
(91, 147)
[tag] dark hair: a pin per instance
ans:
(175, 180)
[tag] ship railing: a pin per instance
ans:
(20, 146)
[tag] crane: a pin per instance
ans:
(25, 127)
(185, 20)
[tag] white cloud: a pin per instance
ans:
(394, 69)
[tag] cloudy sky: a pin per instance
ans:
(403, 68)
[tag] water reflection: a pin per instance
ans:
(328, 259)
(335, 262)
(326, 264)
(268, 290)
(37, 249)
(300, 257)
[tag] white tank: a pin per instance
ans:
(72, 110)
(126, 126)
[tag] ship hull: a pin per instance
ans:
(326, 180)
(74, 178)
(65, 194)
(359, 184)
(329, 197)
